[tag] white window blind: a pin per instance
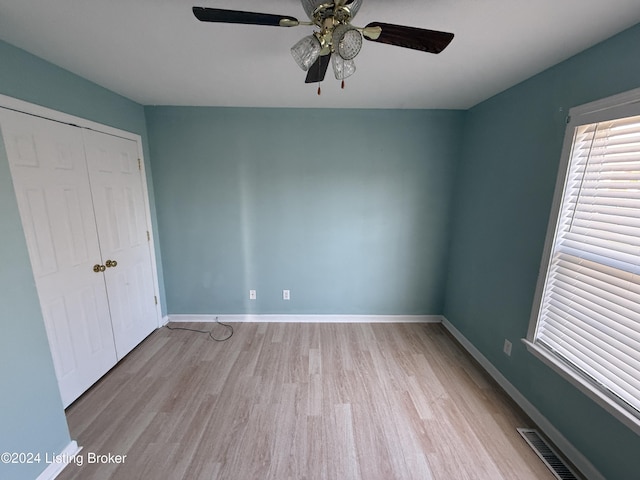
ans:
(589, 313)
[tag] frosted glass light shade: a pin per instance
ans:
(342, 68)
(310, 5)
(347, 41)
(306, 51)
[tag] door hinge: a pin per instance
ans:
(155, 299)
(139, 164)
(148, 236)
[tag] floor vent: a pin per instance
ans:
(550, 458)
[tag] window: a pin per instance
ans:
(586, 317)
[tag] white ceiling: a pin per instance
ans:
(156, 53)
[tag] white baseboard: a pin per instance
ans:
(568, 450)
(308, 318)
(66, 457)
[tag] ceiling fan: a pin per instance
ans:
(336, 40)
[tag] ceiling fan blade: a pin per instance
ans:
(411, 37)
(247, 18)
(318, 70)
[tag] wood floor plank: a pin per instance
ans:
(302, 402)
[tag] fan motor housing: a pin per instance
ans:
(338, 14)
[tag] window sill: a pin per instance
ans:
(625, 416)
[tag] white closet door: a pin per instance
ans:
(50, 177)
(118, 199)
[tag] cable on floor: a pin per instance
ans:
(209, 332)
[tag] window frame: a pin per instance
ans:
(618, 106)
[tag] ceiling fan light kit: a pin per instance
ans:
(346, 41)
(342, 68)
(306, 51)
(335, 37)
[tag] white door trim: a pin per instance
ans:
(47, 113)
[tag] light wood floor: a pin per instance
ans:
(302, 401)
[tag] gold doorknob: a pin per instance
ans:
(111, 263)
(98, 268)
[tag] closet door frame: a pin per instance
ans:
(47, 113)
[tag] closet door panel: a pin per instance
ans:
(50, 177)
(118, 198)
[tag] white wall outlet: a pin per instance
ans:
(252, 294)
(507, 347)
(286, 294)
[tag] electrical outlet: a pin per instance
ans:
(286, 294)
(507, 347)
(252, 294)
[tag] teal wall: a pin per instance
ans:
(504, 191)
(348, 209)
(33, 80)
(31, 415)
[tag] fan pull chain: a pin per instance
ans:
(342, 85)
(319, 89)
